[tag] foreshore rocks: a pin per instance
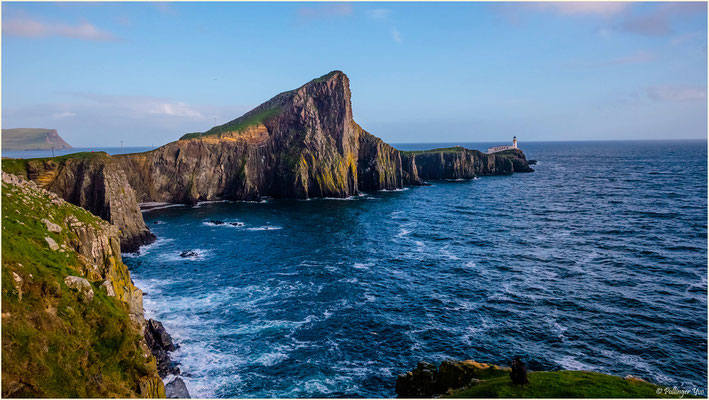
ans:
(428, 381)
(161, 344)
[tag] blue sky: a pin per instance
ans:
(146, 73)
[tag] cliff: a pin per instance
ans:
(72, 320)
(301, 143)
(32, 139)
(470, 379)
(93, 181)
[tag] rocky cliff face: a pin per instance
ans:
(300, 144)
(70, 312)
(93, 181)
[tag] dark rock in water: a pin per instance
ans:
(216, 222)
(236, 223)
(176, 390)
(421, 382)
(189, 253)
(160, 343)
(519, 372)
(531, 162)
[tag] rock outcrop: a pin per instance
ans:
(95, 182)
(72, 313)
(428, 381)
(300, 144)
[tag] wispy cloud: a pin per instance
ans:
(379, 13)
(324, 11)
(638, 57)
(676, 93)
(135, 119)
(29, 27)
(396, 35)
(604, 9)
(658, 21)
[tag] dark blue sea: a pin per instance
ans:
(596, 261)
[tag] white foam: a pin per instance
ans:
(175, 256)
(362, 265)
(147, 248)
(226, 224)
(150, 206)
(403, 232)
(265, 228)
(394, 190)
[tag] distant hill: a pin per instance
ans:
(32, 139)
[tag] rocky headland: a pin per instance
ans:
(301, 143)
(32, 139)
(470, 379)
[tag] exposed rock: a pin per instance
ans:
(428, 381)
(81, 285)
(634, 378)
(160, 343)
(216, 222)
(51, 243)
(421, 382)
(189, 254)
(176, 389)
(52, 227)
(109, 288)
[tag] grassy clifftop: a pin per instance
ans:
(60, 339)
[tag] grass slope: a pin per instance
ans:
(32, 139)
(53, 344)
(560, 384)
(19, 166)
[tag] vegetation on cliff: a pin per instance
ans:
(32, 139)
(71, 318)
(470, 379)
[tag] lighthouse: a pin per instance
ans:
(514, 141)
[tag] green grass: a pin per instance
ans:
(19, 166)
(237, 125)
(557, 384)
(31, 139)
(53, 343)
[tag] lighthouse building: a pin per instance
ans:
(495, 149)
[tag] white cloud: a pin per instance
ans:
(379, 13)
(396, 35)
(28, 27)
(604, 9)
(676, 93)
(65, 114)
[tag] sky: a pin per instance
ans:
(146, 73)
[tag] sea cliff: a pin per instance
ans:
(302, 143)
(72, 320)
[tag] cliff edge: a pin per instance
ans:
(72, 320)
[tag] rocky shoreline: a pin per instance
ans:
(161, 344)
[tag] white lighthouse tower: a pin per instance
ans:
(514, 141)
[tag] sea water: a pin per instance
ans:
(596, 261)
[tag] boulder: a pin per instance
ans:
(109, 288)
(51, 226)
(189, 254)
(81, 285)
(51, 243)
(176, 389)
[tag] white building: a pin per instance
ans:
(495, 149)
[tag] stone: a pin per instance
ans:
(81, 285)
(176, 389)
(634, 378)
(109, 288)
(455, 374)
(51, 243)
(189, 254)
(216, 222)
(51, 226)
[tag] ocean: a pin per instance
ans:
(596, 261)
